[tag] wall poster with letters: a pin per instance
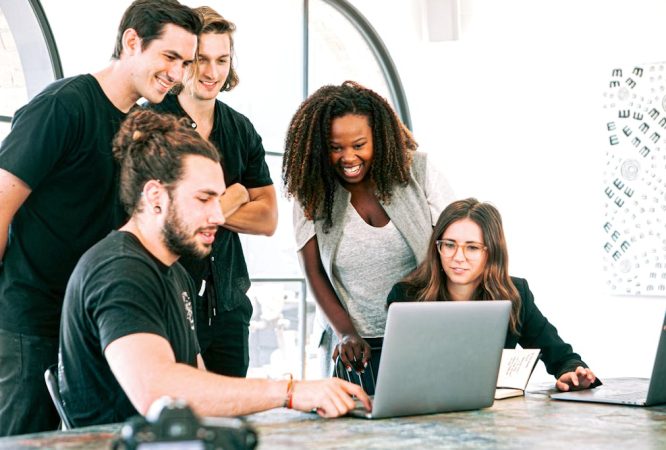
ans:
(634, 181)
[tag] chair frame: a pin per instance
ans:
(51, 379)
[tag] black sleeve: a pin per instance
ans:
(256, 173)
(537, 332)
(399, 293)
(41, 133)
(126, 301)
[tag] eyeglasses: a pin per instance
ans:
(471, 250)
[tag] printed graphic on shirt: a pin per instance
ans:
(188, 308)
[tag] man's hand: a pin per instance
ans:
(331, 397)
(233, 198)
(581, 378)
(250, 211)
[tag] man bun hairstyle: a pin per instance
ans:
(151, 146)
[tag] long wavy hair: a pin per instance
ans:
(306, 170)
(429, 281)
(212, 23)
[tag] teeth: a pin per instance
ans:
(352, 170)
(167, 86)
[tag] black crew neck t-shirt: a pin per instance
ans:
(60, 146)
(243, 161)
(117, 289)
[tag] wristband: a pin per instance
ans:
(288, 400)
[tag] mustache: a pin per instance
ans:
(212, 229)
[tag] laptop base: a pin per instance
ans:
(617, 391)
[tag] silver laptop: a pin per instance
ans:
(629, 391)
(439, 357)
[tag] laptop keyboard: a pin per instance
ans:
(621, 395)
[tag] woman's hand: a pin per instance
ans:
(354, 352)
(581, 378)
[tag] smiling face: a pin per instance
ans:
(463, 274)
(212, 66)
(351, 148)
(158, 67)
(194, 210)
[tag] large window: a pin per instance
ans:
(12, 82)
(28, 56)
(337, 51)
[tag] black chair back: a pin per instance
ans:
(51, 378)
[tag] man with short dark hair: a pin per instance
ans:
(58, 191)
(127, 335)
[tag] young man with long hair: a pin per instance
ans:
(249, 204)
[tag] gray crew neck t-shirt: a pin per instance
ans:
(367, 263)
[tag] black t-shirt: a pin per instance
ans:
(60, 146)
(243, 161)
(118, 288)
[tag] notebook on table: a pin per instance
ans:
(629, 391)
(439, 357)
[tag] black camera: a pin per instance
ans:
(172, 424)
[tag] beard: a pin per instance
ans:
(179, 240)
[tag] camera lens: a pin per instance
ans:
(177, 429)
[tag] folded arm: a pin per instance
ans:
(250, 211)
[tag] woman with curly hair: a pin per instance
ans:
(467, 259)
(365, 203)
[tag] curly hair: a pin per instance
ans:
(152, 146)
(429, 282)
(307, 173)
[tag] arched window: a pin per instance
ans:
(28, 55)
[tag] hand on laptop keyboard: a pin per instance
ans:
(581, 378)
(331, 397)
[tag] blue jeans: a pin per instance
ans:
(25, 404)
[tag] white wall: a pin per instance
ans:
(512, 112)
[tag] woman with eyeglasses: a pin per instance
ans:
(467, 259)
(365, 199)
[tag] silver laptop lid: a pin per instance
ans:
(440, 356)
(657, 392)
